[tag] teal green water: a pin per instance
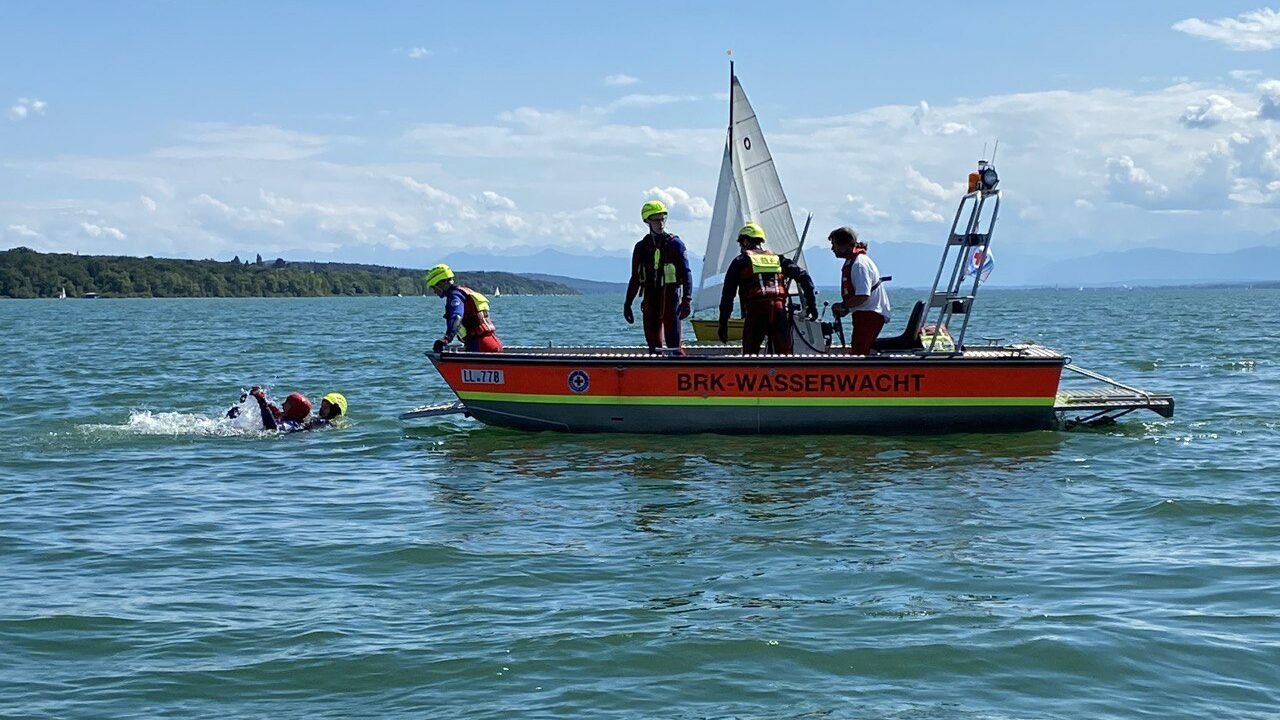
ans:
(155, 563)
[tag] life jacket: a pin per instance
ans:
(475, 314)
(662, 271)
(847, 293)
(761, 279)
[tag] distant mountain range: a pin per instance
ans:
(915, 264)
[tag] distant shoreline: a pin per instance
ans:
(27, 274)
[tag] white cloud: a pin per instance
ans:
(620, 80)
(680, 204)
(864, 210)
(491, 200)
(252, 142)
(1269, 109)
(927, 216)
(148, 203)
(241, 217)
(1213, 110)
(562, 136)
(580, 174)
(437, 199)
(1131, 184)
(107, 231)
(23, 231)
(1245, 75)
(27, 107)
(1254, 31)
(925, 119)
(637, 100)
(918, 182)
(418, 53)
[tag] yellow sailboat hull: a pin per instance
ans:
(705, 330)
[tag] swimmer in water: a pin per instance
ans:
(296, 413)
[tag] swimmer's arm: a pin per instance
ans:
(268, 418)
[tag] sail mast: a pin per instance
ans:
(731, 79)
(728, 143)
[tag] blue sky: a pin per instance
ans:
(400, 132)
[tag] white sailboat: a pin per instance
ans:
(749, 189)
(62, 293)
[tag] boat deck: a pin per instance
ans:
(1111, 404)
(1028, 351)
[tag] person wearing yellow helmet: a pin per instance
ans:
(466, 313)
(660, 277)
(759, 279)
(295, 414)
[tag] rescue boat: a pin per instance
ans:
(717, 390)
(925, 380)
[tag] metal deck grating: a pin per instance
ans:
(1110, 401)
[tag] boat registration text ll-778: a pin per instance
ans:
(483, 377)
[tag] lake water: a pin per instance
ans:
(156, 563)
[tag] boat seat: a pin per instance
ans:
(910, 338)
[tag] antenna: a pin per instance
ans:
(995, 150)
(983, 156)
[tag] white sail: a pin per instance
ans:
(722, 245)
(749, 189)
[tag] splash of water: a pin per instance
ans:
(247, 421)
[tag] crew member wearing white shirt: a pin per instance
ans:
(862, 292)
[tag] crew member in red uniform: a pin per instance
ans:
(660, 274)
(466, 314)
(758, 277)
(862, 292)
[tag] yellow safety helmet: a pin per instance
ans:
(752, 229)
(438, 274)
(338, 401)
(651, 208)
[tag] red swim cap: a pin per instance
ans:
(296, 407)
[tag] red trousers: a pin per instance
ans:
(866, 328)
(767, 319)
(484, 343)
(661, 319)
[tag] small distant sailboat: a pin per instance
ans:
(62, 293)
(497, 292)
(749, 189)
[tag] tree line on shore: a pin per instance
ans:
(25, 273)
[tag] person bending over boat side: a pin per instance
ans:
(758, 277)
(296, 413)
(466, 314)
(862, 292)
(660, 274)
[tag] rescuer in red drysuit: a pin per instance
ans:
(862, 292)
(758, 277)
(466, 313)
(660, 274)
